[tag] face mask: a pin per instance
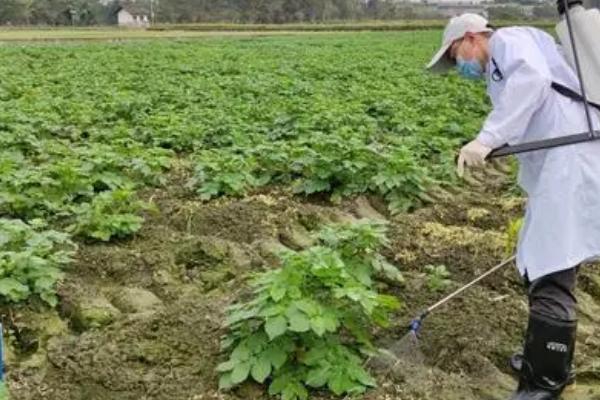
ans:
(470, 69)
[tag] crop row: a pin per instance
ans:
(83, 127)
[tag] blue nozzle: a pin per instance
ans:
(415, 324)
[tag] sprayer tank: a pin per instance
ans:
(586, 31)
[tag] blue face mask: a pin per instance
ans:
(470, 69)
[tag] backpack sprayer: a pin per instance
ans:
(578, 33)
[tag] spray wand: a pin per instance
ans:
(415, 324)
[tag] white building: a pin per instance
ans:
(133, 14)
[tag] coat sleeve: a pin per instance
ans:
(528, 84)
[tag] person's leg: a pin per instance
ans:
(554, 295)
(550, 339)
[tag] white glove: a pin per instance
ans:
(473, 154)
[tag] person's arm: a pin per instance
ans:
(528, 84)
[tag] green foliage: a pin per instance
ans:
(110, 214)
(512, 235)
(308, 134)
(290, 332)
(229, 175)
(322, 122)
(3, 391)
(47, 181)
(332, 164)
(31, 258)
(82, 130)
(437, 277)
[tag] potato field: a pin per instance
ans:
(252, 218)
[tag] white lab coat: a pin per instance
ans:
(562, 219)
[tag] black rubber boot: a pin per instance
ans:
(516, 363)
(546, 363)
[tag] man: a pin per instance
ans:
(562, 220)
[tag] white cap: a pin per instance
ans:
(456, 29)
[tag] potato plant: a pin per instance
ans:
(31, 259)
(308, 322)
(83, 128)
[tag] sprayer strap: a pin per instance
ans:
(570, 93)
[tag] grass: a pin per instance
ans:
(402, 25)
(3, 391)
(101, 34)
(175, 31)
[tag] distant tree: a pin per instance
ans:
(49, 12)
(96, 12)
(545, 11)
(12, 12)
(507, 12)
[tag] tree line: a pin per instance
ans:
(97, 12)
(286, 11)
(54, 12)
(103, 12)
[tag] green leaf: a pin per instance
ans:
(309, 307)
(317, 324)
(278, 384)
(225, 382)
(261, 369)
(226, 366)
(317, 377)
(364, 378)
(49, 298)
(257, 342)
(314, 186)
(339, 383)
(271, 311)
(276, 355)
(238, 316)
(227, 342)
(301, 392)
(241, 352)
(299, 322)
(330, 322)
(13, 290)
(389, 302)
(277, 292)
(316, 355)
(289, 393)
(363, 274)
(240, 372)
(294, 391)
(275, 327)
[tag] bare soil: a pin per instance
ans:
(157, 301)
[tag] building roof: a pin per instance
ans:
(134, 7)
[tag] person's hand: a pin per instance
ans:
(473, 154)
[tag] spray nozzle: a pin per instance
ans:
(415, 324)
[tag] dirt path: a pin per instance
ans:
(142, 319)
